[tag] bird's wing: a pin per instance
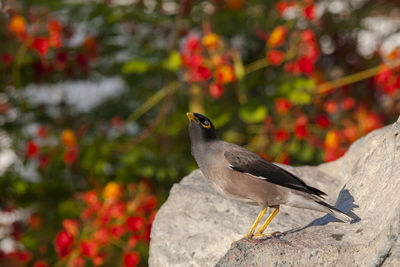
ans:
(245, 161)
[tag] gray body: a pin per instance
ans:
(233, 184)
(216, 159)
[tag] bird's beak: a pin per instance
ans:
(191, 116)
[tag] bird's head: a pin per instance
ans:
(200, 128)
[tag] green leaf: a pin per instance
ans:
(298, 90)
(69, 208)
(285, 88)
(222, 119)
(29, 242)
(309, 85)
(307, 153)
(275, 148)
(135, 66)
(20, 187)
(294, 147)
(300, 97)
(173, 62)
(253, 115)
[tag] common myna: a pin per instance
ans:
(240, 174)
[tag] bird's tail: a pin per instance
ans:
(315, 203)
(336, 213)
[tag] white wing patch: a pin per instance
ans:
(258, 177)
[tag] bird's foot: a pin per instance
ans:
(247, 236)
(259, 235)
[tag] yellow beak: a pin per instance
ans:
(191, 116)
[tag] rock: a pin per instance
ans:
(196, 226)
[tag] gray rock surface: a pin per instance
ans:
(196, 226)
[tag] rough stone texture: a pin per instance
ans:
(196, 226)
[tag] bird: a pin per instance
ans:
(242, 175)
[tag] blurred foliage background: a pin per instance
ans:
(94, 95)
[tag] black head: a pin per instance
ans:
(200, 128)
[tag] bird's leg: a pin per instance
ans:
(254, 226)
(260, 231)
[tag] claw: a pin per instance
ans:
(264, 236)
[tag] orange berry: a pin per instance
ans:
(68, 137)
(71, 226)
(101, 236)
(351, 133)
(210, 41)
(348, 103)
(277, 36)
(35, 221)
(224, 74)
(17, 25)
(332, 139)
(331, 107)
(112, 191)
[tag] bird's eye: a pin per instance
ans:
(206, 124)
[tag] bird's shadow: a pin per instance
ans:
(345, 203)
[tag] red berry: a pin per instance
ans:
(131, 259)
(199, 74)
(309, 12)
(117, 231)
(275, 57)
(216, 90)
(281, 135)
(306, 65)
(70, 155)
(40, 264)
(31, 149)
(323, 121)
(23, 256)
(331, 107)
(135, 223)
(41, 45)
(348, 103)
(64, 239)
(150, 202)
(300, 127)
(133, 240)
(89, 248)
(283, 105)
(192, 43)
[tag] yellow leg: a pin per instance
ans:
(260, 231)
(254, 226)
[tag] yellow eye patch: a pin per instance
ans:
(206, 125)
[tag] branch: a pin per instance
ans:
(152, 101)
(153, 124)
(356, 77)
